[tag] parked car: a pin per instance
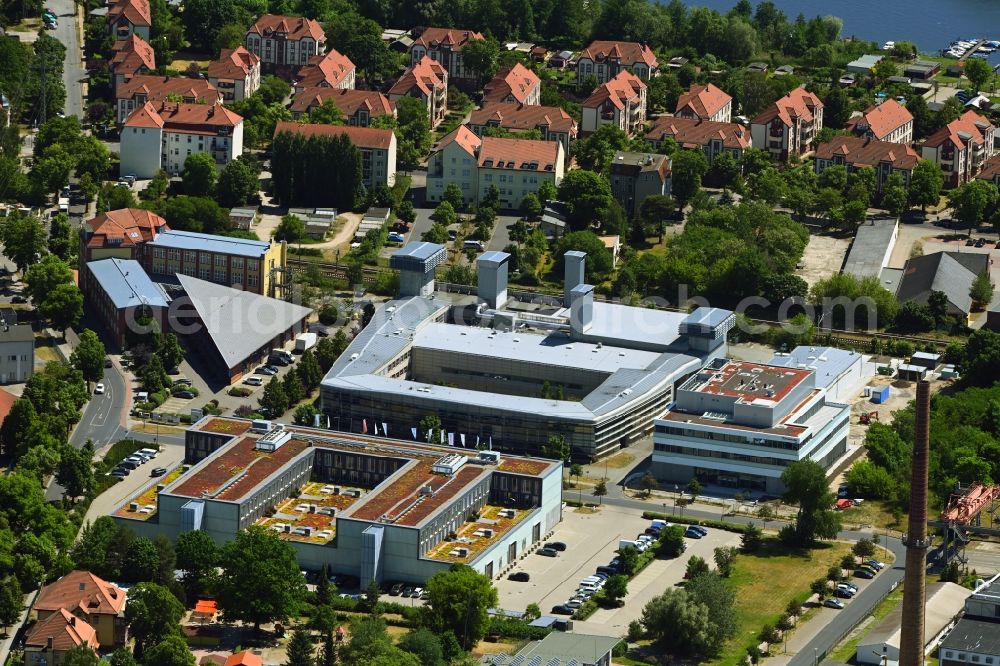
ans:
(107, 362)
(267, 370)
(556, 545)
(18, 298)
(396, 589)
(548, 552)
(253, 381)
(183, 381)
(844, 593)
(417, 592)
(878, 566)
(609, 571)
(834, 603)
(562, 609)
(407, 591)
(396, 237)
(573, 604)
(185, 395)
(118, 473)
(519, 577)
(320, 330)
(864, 573)
(692, 533)
(849, 585)
(158, 471)
(99, 388)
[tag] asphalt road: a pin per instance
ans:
(68, 33)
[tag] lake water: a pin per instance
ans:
(930, 24)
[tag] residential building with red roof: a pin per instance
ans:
(50, 639)
(236, 74)
(789, 125)
(961, 148)
(132, 56)
(513, 84)
(517, 167)
(120, 233)
(99, 603)
(444, 45)
(129, 17)
(162, 136)
(377, 147)
(554, 123)
(244, 658)
(359, 107)
(620, 102)
(285, 43)
(991, 170)
(888, 121)
(706, 103)
(855, 152)
(692, 133)
(331, 70)
(604, 60)
(147, 88)
(427, 80)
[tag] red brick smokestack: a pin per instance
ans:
(911, 640)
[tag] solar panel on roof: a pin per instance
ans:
(535, 661)
(572, 662)
(554, 661)
(517, 660)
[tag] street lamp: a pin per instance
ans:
(815, 656)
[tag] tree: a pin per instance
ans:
(836, 108)
(894, 195)
(981, 291)
(971, 201)
(453, 195)
(63, 307)
(693, 487)
(596, 151)
(752, 539)
(199, 175)
(648, 483)
(615, 589)
(884, 70)
(805, 485)
(926, 182)
(656, 212)
(864, 548)
(43, 277)
(197, 556)
(679, 622)
(689, 167)
(482, 56)
(628, 560)
(89, 356)
(820, 587)
(531, 208)
(327, 113)
(76, 472)
(152, 614)
(172, 651)
(204, 19)
(601, 489)
(274, 399)
(123, 657)
(140, 561)
(170, 351)
(724, 558)
(80, 655)
(238, 184)
(300, 649)
(413, 132)
(599, 264)
(261, 580)
(61, 237)
(588, 197)
(696, 566)
(153, 375)
(672, 541)
(425, 644)
(457, 599)
(291, 228)
(11, 601)
(23, 239)
(978, 72)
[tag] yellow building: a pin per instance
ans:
(97, 602)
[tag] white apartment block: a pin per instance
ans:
(620, 102)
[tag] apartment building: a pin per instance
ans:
(377, 148)
(705, 103)
(129, 17)
(855, 152)
(17, 353)
(285, 43)
(605, 60)
(427, 80)
(516, 84)
(740, 425)
(158, 89)
(359, 107)
(236, 74)
(119, 233)
(961, 148)
(635, 176)
(163, 136)
(788, 126)
(251, 265)
(889, 121)
(554, 123)
(330, 70)
(131, 57)
(620, 102)
(444, 45)
(97, 602)
(517, 167)
(991, 170)
(711, 137)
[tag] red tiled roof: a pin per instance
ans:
(425, 75)
(83, 590)
(799, 103)
(991, 169)
(7, 400)
(518, 81)
(132, 54)
(881, 119)
(293, 27)
(626, 52)
(66, 631)
(520, 117)
(519, 154)
(862, 151)
(697, 132)
(159, 88)
(965, 124)
(135, 11)
(363, 137)
(348, 101)
(703, 101)
(128, 226)
(434, 38)
(464, 137)
(624, 87)
(244, 658)
(191, 118)
(325, 70)
(233, 64)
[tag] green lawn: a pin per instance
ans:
(846, 650)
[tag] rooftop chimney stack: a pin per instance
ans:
(492, 279)
(581, 309)
(575, 262)
(911, 641)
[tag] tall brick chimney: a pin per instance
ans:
(911, 641)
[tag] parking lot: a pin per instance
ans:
(591, 541)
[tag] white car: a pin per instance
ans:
(253, 381)
(99, 388)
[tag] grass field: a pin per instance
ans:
(845, 651)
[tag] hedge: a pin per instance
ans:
(510, 627)
(682, 520)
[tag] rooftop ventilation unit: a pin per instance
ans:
(449, 464)
(274, 439)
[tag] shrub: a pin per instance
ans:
(510, 627)
(635, 631)
(239, 391)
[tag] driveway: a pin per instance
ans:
(68, 32)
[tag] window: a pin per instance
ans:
(238, 263)
(204, 272)
(173, 255)
(975, 658)
(220, 260)
(12, 357)
(190, 257)
(220, 276)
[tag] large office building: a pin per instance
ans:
(363, 505)
(740, 425)
(119, 292)
(596, 373)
